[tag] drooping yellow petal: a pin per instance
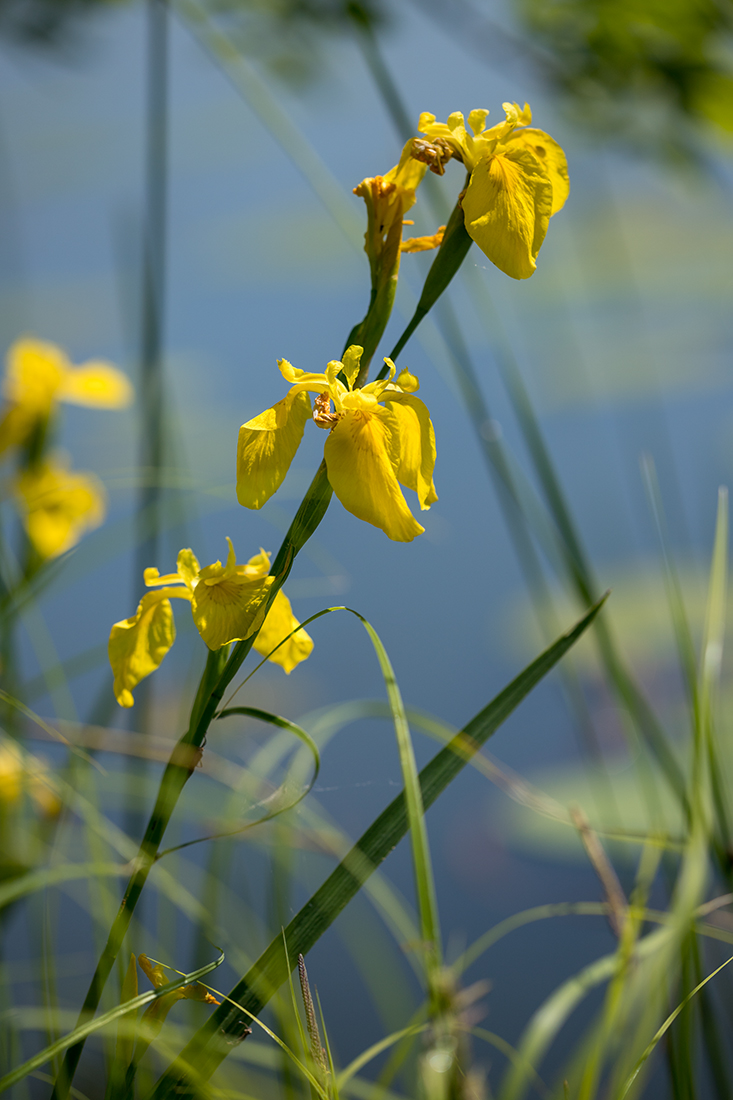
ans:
(35, 371)
(137, 645)
(507, 207)
(279, 623)
(228, 607)
(360, 470)
(550, 156)
(59, 505)
(414, 461)
(267, 446)
(96, 384)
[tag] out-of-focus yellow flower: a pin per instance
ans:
(379, 436)
(518, 180)
(58, 505)
(21, 773)
(228, 603)
(156, 1012)
(38, 374)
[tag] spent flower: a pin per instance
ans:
(380, 436)
(229, 604)
(517, 179)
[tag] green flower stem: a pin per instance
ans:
(451, 254)
(218, 673)
(216, 679)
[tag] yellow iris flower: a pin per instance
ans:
(228, 603)
(38, 374)
(58, 505)
(379, 436)
(518, 180)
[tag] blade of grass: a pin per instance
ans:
(205, 1050)
(110, 1017)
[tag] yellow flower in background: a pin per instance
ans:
(58, 505)
(39, 374)
(228, 603)
(379, 436)
(21, 772)
(518, 180)
(156, 1012)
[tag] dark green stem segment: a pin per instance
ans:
(217, 676)
(451, 254)
(211, 1044)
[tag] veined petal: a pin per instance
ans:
(59, 506)
(277, 625)
(550, 156)
(96, 384)
(413, 432)
(230, 608)
(267, 446)
(360, 470)
(138, 645)
(35, 371)
(507, 207)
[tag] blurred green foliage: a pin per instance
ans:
(649, 70)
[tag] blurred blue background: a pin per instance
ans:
(623, 337)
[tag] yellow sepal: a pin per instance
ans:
(507, 208)
(279, 623)
(359, 454)
(267, 446)
(138, 645)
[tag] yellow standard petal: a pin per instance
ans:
(360, 469)
(96, 384)
(229, 601)
(137, 645)
(507, 207)
(59, 505)
(267, 446)
(414, 461)
(279, 623)
(550, 156)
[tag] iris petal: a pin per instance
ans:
(231, 609)
(138, 645)
(415, 459)
(362, 475)
(267, 446)
(59, 506)
(278, 624)
(507, 207)
(551, 158)
(96, 384)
